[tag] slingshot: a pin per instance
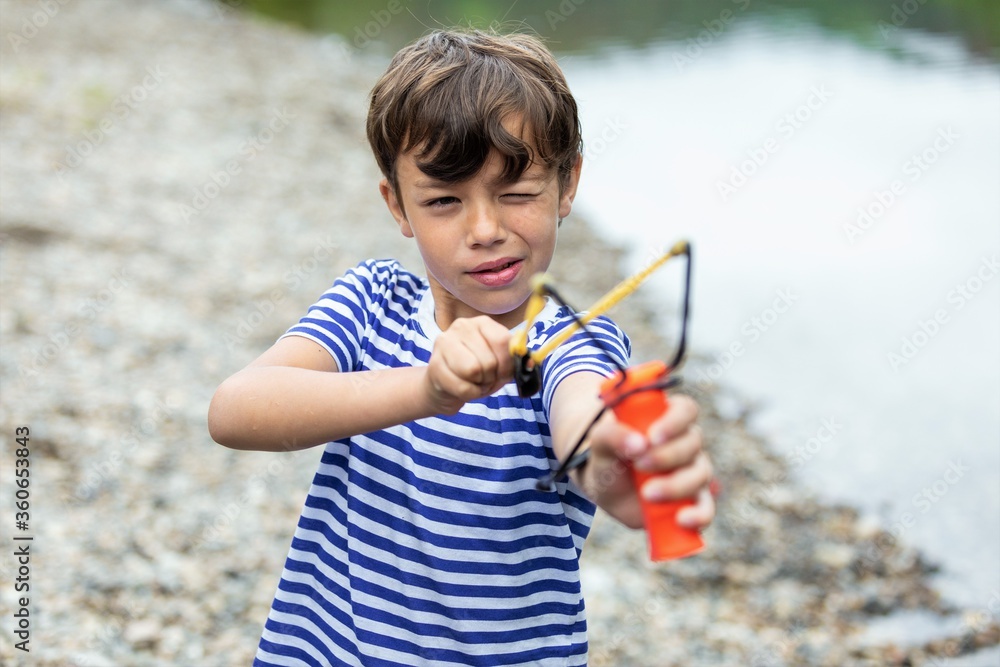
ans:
(635, 394)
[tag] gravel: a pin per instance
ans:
(179, 183)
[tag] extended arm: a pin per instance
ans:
(292, 397)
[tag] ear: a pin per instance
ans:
(569, 190)
(395, 208)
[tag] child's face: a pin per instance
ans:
(481, 240)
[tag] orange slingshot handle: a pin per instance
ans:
(667, 539)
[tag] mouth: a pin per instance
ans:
(498, 273)
(496, 266)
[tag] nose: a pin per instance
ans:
(486, 226)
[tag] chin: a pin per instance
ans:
(500, 307)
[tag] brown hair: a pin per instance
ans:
(449, 93)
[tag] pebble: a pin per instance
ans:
(143, 634)
(835, 556)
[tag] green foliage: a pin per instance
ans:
(588, 25)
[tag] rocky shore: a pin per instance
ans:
(179, 182)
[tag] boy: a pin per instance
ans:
(424, 539)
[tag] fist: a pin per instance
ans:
(470, 360)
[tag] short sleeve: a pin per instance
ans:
(341, 318)
(596, 350)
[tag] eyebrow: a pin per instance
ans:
(433, 183)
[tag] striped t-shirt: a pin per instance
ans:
(428, 543)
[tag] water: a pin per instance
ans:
(813, 299)
(761, 131)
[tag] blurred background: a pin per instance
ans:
(836, 166)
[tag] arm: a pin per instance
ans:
(673, 444)
(292, 397)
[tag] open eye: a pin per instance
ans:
(441, 202)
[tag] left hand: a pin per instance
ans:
(672, 449)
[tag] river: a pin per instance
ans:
(843, 205)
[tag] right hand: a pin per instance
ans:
(470, 360)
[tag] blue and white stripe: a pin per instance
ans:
(427, 543)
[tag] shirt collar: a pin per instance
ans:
(425, 315)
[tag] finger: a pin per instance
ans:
(682, 414)
(498, 338)
(496, 353)
(682, 483)
(488, 341)
(700, 514)
(625, 442)
(678, 452)
(484, 371)
(464, 361)
(454, 383)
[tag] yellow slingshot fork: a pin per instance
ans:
(528, 363)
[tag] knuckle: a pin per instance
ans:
(696, 439)
(461, 367)
(686, 405)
